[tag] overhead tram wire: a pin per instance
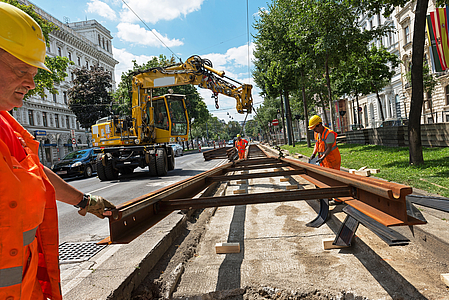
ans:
(151, 30)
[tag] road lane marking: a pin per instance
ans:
(103, 188)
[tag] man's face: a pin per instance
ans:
(16, 79)
(317, 128)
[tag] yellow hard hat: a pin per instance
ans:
(238, 135)
(314, 121)
(21, 36)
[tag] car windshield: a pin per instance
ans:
(77, 154)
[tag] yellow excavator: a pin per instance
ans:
(127, 142)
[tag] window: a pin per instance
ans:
(103, 42)
(31, 117)
(69, 56)
(79, 61)
(44, 119)
(54, 98)
(73, 76)
(107, 46)
(87, 64)
(65, 97)
(378, 20)
(59, 51)
(56, 120)
(429, 100)
(99, 40)
(371, 24)
(447, 94)
(67, 122)
(407, 35)
(390, 39)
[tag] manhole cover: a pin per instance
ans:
(77, 252)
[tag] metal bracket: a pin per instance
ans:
(322, 214)
(346, 232)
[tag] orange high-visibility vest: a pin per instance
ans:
(333, 159)
(241, 145)
(29, 267)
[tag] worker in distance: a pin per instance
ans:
(326, 144)
(29, 266)
(241, 145)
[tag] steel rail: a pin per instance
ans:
(380, 200)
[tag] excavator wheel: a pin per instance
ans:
(151, 161)
(161, 162)
(101, 170)
(109, 170)
(171, 158)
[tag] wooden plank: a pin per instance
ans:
(327, 244)
(224, 248)
(241, 181)
(240, 192)
(292, 187)
(284, 179)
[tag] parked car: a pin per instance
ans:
(177, 149)
(77, 163)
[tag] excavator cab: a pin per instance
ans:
(168, 113)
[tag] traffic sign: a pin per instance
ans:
(275, 122)
(73, 141)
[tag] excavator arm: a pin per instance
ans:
(198, 72)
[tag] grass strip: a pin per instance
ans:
(432, 176)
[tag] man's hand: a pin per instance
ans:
(313, 156)
(96, 206)
(319, 160)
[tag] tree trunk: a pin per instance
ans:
(288, 114)
(306, 114)
(380, 105)
(329, 92)
(324, 108)
(358, 113)
(282, 117)
(414, 124)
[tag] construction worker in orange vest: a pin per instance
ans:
(29, 266)
(326, 144)
(241, 144)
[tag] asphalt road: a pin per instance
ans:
(75, 228)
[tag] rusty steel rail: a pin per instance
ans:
(383, 201)
(220, 153)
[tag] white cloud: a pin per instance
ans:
(102, 9)
(153, 11)
(234, 58)
(125, 59)
(135, 34)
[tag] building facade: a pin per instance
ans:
(49, 119)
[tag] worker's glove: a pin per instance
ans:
(96, 205)
(319, 160)
(313, 156)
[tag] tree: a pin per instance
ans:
(414, 124)
(58, 65)
(89, 97)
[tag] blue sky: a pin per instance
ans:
(213, 29)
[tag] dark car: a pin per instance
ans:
(77, 163)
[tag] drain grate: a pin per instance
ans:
(77, 252)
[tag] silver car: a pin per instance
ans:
(177, 149)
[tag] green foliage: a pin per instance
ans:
(46, 81)
(432, 176)
(89, 98)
